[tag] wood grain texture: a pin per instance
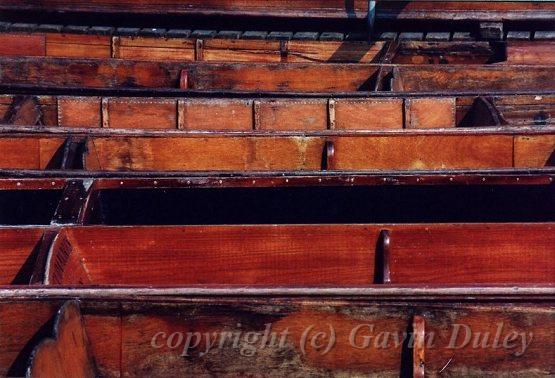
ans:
(537, 52)
(17, 259)
(67, 354)
(131, 328)
(79, 112)
(217, 114)
(535, 151)
(429, 113)
(523, 253)
(155, 49)
(300, 115)
(423, 152)
(302, 255)
(276, 8)
(28, 153)
(150, 113)
(22, 45)
(77, 46)
(273, 77)
(368, 114)
(225, 255)
(198, 154)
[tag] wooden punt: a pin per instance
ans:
(255, 114)
(280, 255)
(479, 149)
(127, 336)
(272, 77)
(68, 45)
(357, 9)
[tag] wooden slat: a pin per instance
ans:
(77, 46)
(22, 45)
(368, 114)
(149, 113)
(537, 52)
(156, 49)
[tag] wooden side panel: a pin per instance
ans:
(104, 335)
(534, 151)
(490, 78)
(310, 255)
(323, 51)
(430, 113)
(424, 152)
(142, 113)
(77, 46)
(22, 44)
(201, 154)
(79, 112)
(241, 50)
(302, 115)
(368, 114)
(155, 49)
(366, 339)
(16, 259)
(216, 114)
(282, 77)
(20, 153)
(537, 52)
(468, 254)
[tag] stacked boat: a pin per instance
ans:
(277, 188)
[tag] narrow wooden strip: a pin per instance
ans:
(419, 347)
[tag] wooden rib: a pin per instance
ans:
(68, 353)
(277, 77)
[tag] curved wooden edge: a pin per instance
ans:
(418, 351)
(67, 354)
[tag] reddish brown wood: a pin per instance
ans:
(68, 353)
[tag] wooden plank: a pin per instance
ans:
(329, 51)
(430, 113)
(368, 114)
(537, 52)
(423, 152)
(484, 78)
(230, 50)
(311, 255)
(463, 254)
(155, 49)
(17, 44)
(303, 115)
(217, 114)
(198, 154)
(18, 254)
(79, 111)
(534, 151)
(149, 113)
(275, 8)
(273, 77)
(466, 10)
(77, 46)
